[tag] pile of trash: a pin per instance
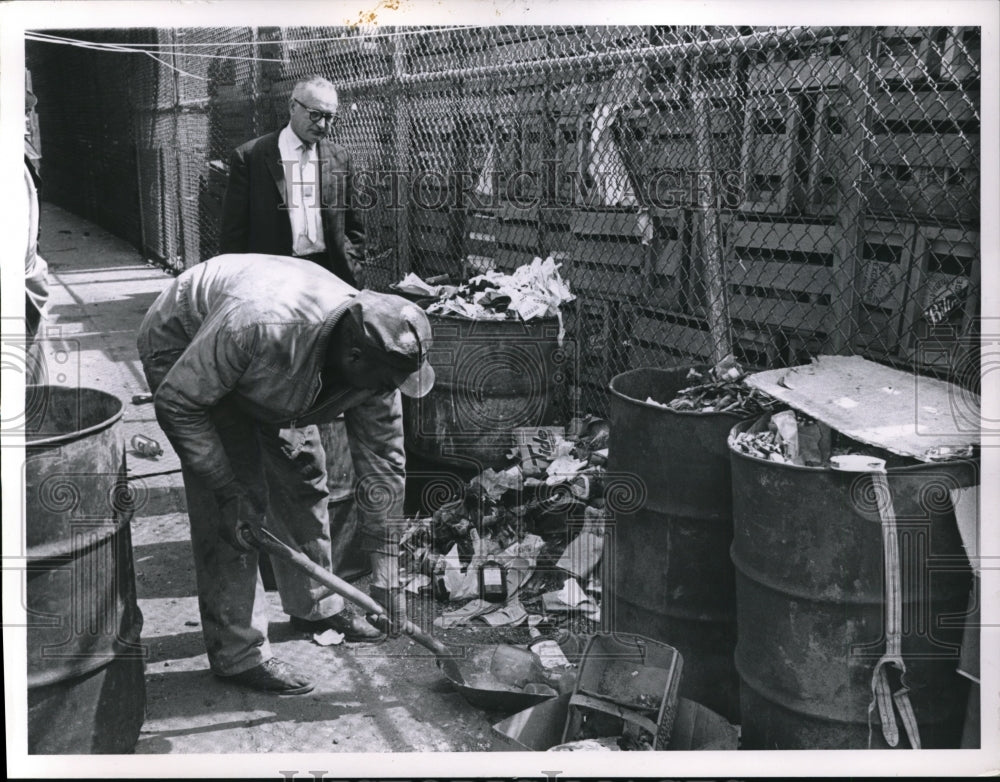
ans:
(534, 290)
(522, 544)
(792, 437)
(721, 389)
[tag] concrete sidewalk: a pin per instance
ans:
(388, 697)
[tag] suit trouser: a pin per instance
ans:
(284, 468)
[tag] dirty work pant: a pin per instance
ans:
(286, 469)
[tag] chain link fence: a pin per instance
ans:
(774, 193)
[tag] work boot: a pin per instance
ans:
(353, 627)
(272, 675)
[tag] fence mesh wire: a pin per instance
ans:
(773, 192)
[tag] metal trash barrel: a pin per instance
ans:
(86, 673)
(673, 580)
(808, 554)
(492, 376)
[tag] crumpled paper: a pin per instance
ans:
(329, 637)
(583, 554)
(535, 290)
(570, 598)
(509, 614)
(563, 468)
(414, 284)
(496, 483)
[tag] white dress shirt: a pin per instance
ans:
(301, 167)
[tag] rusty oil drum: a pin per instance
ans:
(673, 580)
(491, 377)
(807, 549)
(86, 673)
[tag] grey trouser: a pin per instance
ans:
(284, 469)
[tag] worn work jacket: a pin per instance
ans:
(253, 330)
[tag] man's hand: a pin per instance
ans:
(237, 516)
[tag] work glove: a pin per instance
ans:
(386, 590)
(238, 516)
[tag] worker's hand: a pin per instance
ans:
(385, 589)
(238, 516)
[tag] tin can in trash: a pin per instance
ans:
(146, 446)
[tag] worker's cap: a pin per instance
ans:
(398, 334)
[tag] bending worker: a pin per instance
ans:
(245, 354)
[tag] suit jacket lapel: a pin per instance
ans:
(272, 159)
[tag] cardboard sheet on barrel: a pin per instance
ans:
(903, 413)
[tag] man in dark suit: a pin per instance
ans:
(290, 192)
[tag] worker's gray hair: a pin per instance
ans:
(313, 81)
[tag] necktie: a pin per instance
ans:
(307, 192)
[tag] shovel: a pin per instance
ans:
(269, 544)
(497, 668)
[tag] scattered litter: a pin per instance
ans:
(329, 637)
(510, 615)
(570, 598)
(550, 653)
(606, 744)
(583, 554)
(146, 446)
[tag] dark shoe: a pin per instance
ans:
(273, 676)
(354, 628)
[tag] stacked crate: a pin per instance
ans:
(886, 258)
(432, 223)
(943, 259)
(780, 275)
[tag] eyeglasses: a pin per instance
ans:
(315, 115)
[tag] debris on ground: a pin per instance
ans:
(521, 539)
(721, 389)
(329, 637)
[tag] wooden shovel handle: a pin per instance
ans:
(269, 544)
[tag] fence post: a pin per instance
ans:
(401, 112)
(849, 237)
(716, 308)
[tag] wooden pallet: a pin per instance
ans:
(780, 274)
(516, 233)
(660, 144)
(430, 231)
(961, 54)
(802, 67)
(658, 334)
(769, 151)
(897, 188)
(884, 271)
(907, 53)
(597, 332)
(480, 234)
(606, 253)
